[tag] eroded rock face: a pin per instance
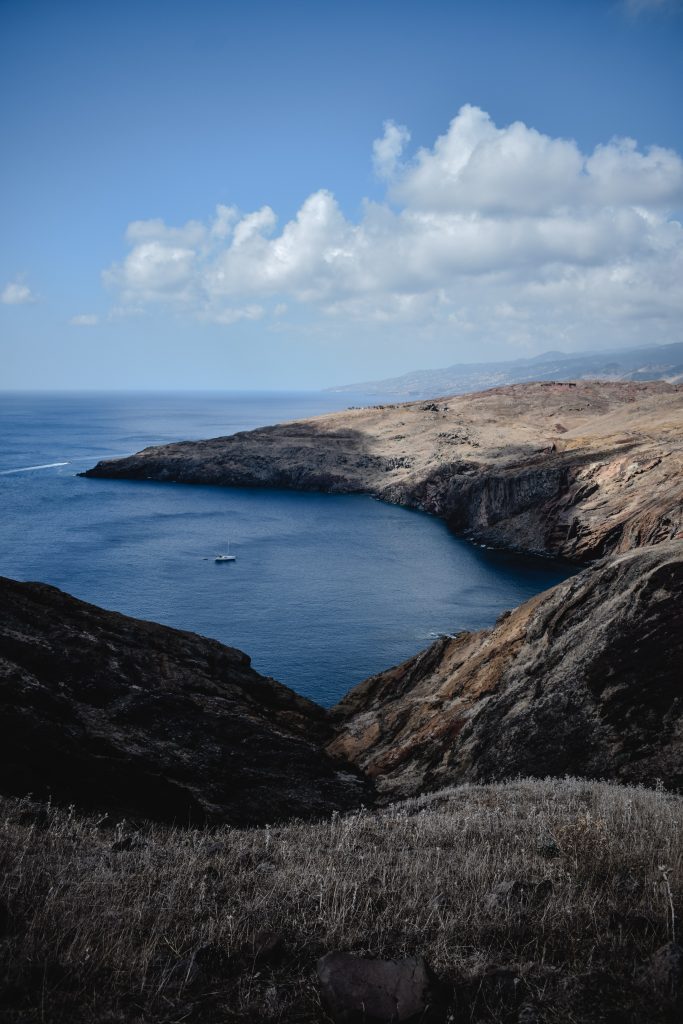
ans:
(115, 714)
(586, 679)
(579, 470)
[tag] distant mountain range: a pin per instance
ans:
(660, 362)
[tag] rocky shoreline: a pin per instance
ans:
(139, 720)
(479, 896)
(583, 679)
(107, 711)
(575, 470)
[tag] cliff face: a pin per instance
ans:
(574, 470)
(120, 715)
(586, 679)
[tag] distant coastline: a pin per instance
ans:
(656, 362)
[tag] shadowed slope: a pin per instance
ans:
(116, 714)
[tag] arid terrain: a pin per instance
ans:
(478, 896)
(582, 679)
(529, 902)
(138, 720)
(577, 470)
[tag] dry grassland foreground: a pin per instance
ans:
(553, 901)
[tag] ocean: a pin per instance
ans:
(326, 589)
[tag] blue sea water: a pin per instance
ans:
(326, 589)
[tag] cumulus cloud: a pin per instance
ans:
(496, 232)
(232, 315)
(386, 152)
(16, 293)
(84, 320)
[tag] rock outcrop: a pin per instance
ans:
(119, 715)
(577, 470)
(115, 714)
(586, 679)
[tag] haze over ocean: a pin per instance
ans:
(326, 589)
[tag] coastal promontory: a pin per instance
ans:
(574, 469)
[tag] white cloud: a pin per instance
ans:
(155, 270)
(85, 320)
(225, 218)
(479, 168)
(502, 233)
(231, 316)
(386, 152)
(16, 293)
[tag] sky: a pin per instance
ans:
(297, 195)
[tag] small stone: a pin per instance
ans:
(361, 989)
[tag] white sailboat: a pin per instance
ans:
(227, 557)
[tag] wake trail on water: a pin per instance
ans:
(26, 469)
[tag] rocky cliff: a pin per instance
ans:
(577, 470)
(585, 679)
(111, 713)
(120, 715)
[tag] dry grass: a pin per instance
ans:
(570, 886)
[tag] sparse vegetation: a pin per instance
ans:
(530, 897)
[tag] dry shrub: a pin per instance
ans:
(544, 897)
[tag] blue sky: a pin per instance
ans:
(275, 194)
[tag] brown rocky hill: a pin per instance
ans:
(578, 470)
(109, 712)
(585, 679)
(115, 714)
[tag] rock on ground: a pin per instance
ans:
(357, 989)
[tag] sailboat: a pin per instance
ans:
(227, 557)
